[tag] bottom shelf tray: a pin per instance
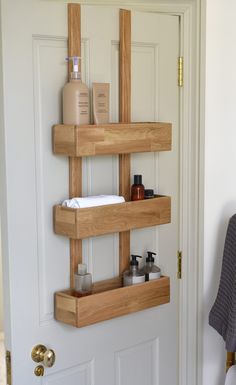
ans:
(109, 300)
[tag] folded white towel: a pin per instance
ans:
(231, 376)
(99, 200)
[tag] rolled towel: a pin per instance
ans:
(231, 376)
(92, 201)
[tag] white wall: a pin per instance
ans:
(1, 170)
(1, 294)
(220, 166)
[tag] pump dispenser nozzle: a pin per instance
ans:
(75, 74)
(134, 261)
(150, 257)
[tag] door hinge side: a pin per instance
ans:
(179, 264)
(180, 71)
(8, 367)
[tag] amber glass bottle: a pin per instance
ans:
(137, 189)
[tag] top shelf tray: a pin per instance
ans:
(115, 138)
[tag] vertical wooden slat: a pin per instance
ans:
(75, 164)
(74, 31)
(125, 66)
(125, 116)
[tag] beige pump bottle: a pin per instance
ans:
(75, 97)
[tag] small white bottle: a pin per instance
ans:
(83, 281)
(75, 97)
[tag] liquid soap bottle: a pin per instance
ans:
(75, 97)
(134, 274)
(83, 281)
(150, 270)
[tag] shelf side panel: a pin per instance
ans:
(65, 308)
(64, 221)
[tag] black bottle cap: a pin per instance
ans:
(137, 179)
(149, 193)
(150, 256)
(134, 261)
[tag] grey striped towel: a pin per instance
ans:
(222, 316)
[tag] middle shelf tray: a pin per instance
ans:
(93, 221)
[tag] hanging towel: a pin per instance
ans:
(222, 316)
(92, 201)
(231, 376)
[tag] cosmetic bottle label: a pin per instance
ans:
(83, 103)
(154, 275)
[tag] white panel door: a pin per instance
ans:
(129, 350)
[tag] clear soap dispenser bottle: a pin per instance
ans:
(134, 274)
(75, 97)
(150, 270)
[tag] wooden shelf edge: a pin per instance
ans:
(113, 138)
(93, 221)
(111, 303)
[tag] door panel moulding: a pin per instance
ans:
(170, 7)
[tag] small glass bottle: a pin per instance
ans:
(83, 281)
(134, 274)
(137, 189)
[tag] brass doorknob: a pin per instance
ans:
(41, 354)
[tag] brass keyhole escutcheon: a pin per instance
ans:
(39, 371)
(41, 354)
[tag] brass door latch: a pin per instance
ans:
(8, 367)
(39, 371)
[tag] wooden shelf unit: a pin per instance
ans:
(109, 298)
(92, 221)
(115, 138)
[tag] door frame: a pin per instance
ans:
(190, 204)
(189, 234)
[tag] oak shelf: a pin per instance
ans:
(93, 221)
(109, 300)
(115, 138)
